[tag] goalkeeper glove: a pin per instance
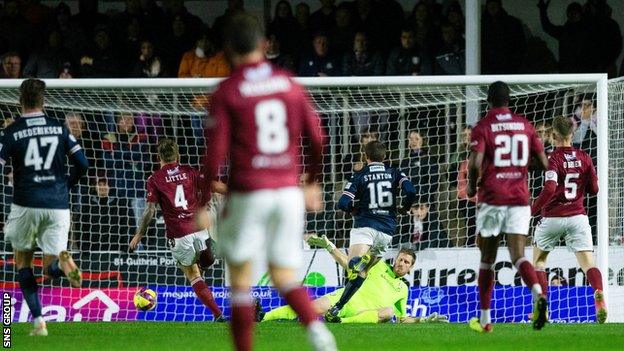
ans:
(323, 242)
(435, 318)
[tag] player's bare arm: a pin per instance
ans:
(146, 219)
(474, 167)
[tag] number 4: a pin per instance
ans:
(180, 199)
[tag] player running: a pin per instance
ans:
(257, 117)
(374, 190)
(177, 189)
(38, 147)
(570, 173)
(502, 145)
(382, 297)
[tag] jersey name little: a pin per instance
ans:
(176, 177)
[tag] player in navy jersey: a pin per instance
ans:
(570, 174)
(371, 195)
(258, 117)
(38, 147)
(177, 189)
(502, 145)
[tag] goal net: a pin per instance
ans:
(424, 122)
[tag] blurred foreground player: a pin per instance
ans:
(502, 145)
(38, 148)
(177, 189)
(570, 174)
(257, 118)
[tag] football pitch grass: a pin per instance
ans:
(276, 336)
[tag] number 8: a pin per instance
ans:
(272, 134)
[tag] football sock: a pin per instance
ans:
(242, 322)
(350, 289)
(297, 297)
(542, 277)
(364, 317)
(284, 312)
(485, 318)
(54, 271)
(595, 278)
(527, 272)
(29, 287)
(205, 296)
(486, 284)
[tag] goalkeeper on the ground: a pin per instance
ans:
(382, 297)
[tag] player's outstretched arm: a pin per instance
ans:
(339, 256)
(148, 214)
(409, 191)
(80, 166)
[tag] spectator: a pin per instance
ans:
(319, 63)
(78, 128)
(11, 65)
(544, 132)
(283, 27)
(426, 33)
(131, 44)
(126, 158)
(15, 32)
(194, 61)
(341, 37)
(324, 19)
(89, 18)
(50, 61)
(105, 223)
(421, 168)
(148, 65)
(427, 230)
(304, 33)
(391, 19)
(73, 38)
(35, 13)
(276, 56)
(502, 39)
(217, 64)
(406, 59)
(586, 120)
(451, 57)
(362, 61)
(103, 60)
(152, 18)
(571, 37)
(455, 17)
(175, 44)
(605, 43)
(233, 7)
(176, 9)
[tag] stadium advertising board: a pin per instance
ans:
(178, 303)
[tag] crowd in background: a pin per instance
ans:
(346, 38)
(361, 38)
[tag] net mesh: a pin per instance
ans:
(426, 130)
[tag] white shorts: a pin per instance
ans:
(268, 222)
(378, 241)
(47, 227)
(575, 230)
(493, 220)
(186, 249)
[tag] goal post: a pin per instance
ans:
(423, 122)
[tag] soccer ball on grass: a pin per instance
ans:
(145, 299)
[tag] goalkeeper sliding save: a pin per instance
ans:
(382, 296)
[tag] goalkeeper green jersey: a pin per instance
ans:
(382, 288)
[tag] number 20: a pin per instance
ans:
(516, 145)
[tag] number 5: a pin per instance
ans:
(570, 186)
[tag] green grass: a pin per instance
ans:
(289, 336)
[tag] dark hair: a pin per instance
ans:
(375, 151)
(31, 93)
(563, 126)
(410, 252)
(168, 150)
(498, 94)
(243, 33)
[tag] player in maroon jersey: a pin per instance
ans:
(570, 174)
(177, 189)
(502, 145)
(257, 117)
